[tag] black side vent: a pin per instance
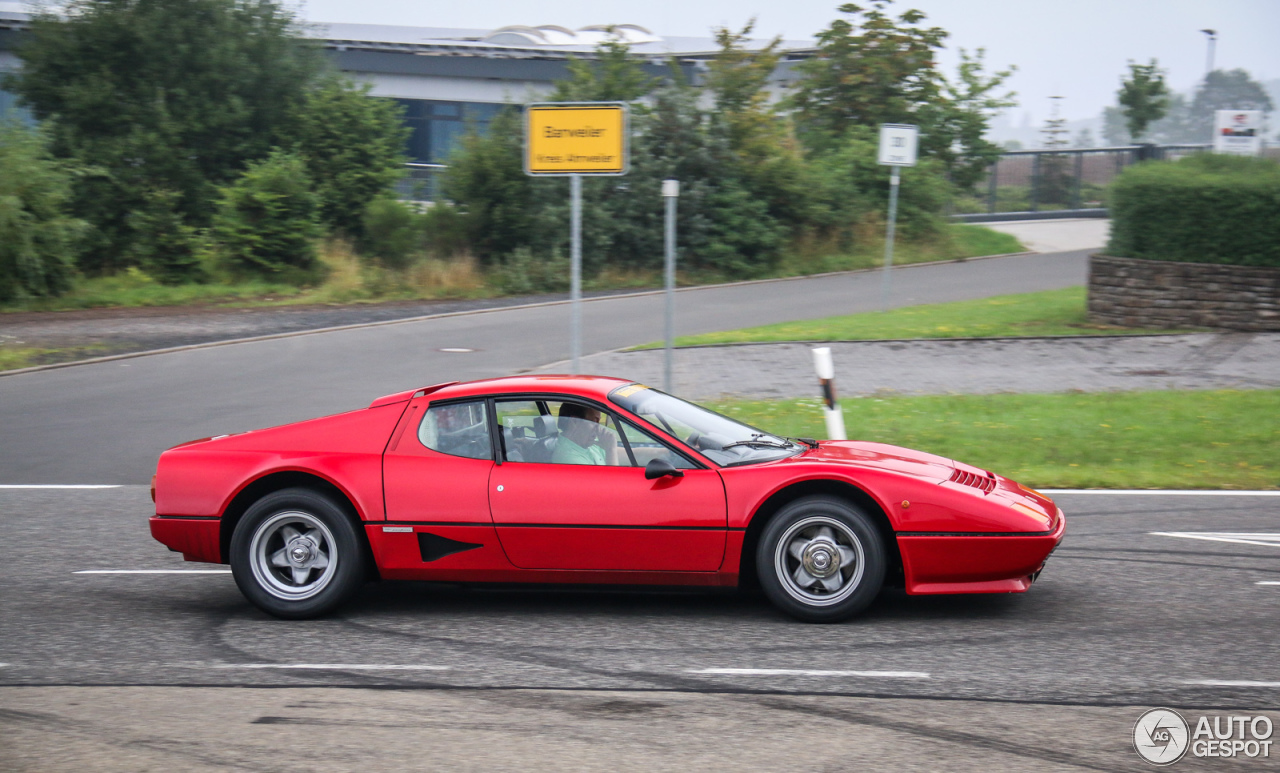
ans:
(434, 547)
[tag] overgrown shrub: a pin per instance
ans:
(1206, 208)
(524, 273)
(38, 239)
(393, 232)
(267, 221)
(163, 245)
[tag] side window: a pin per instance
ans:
(556, 432)
(526, 433)
(646, 448)
(458, 429)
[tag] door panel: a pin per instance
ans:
(430, 486)
(562, 516)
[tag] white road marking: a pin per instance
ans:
(1238, 538)
(1269, 582)
(55, 485)
(153, 571)
(1160, 493)
(335, 666)
(456, 350)
(1232, 683)
(807, 672)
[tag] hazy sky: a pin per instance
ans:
(1073, 48)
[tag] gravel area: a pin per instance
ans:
(970, 366)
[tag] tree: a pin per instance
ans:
(869, 70)
(875, 69)
(353, 146)
(37, 237)
(953, 127)
(1144, 97)
(612, 76)
(1226, 90)
(162, 95)
(267, 220)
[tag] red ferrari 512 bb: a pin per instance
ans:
(585, 479)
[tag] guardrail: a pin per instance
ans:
(421, 182)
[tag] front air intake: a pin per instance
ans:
(986, 483)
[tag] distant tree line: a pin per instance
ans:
(193, 139)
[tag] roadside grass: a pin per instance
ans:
(349, 279)
(15, 357)
(1156, 440)
(1047, 313)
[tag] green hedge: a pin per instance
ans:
(1206, 208)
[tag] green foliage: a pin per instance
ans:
(1206, 208)
(392, 232)
(37, 238)
(873, 69)
(854, 186)
(1144, 97)
(523, 273)
(869, 70)
(161, 95)
(486, 181)
(613, 76)
(353, 145)
(266, 222)
(163, 245)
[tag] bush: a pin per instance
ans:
(1206, 208)
(37, 237)
(523, 273)
(393, 232)
(266, 221)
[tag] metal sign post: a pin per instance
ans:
(572, 139)
(897, 149)
(670, 192)
(575, 270)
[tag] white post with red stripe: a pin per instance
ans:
(831, 410)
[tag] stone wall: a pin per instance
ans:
(1169, 294)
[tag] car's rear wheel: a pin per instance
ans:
(296, 554)
(821, 560)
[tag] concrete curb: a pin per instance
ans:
(424, 317)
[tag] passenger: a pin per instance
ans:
(582, 439)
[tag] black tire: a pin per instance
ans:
(316, 541)
(830, 542)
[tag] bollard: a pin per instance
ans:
(834, 415)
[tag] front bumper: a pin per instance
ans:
(976, 562)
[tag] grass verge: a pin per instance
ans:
(1048, 313)
(1156, 440)
(349, 279)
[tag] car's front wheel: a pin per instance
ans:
(295, 554)
(821, 560)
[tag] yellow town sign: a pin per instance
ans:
(564, 138)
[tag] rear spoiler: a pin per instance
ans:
(400, 397)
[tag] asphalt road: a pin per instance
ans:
(108, 422)
(129, 671)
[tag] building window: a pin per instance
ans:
(437, 127)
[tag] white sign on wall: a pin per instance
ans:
(1238, 132)
(898, 144)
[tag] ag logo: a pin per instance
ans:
(1160, 736)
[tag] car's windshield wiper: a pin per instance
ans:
(756, 442)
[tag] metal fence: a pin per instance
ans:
(1056, 183)
(421, 182)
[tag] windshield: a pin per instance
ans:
(721, 439)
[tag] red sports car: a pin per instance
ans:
(585, 479)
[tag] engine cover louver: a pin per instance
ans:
(984, 482)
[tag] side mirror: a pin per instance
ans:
(660, 468)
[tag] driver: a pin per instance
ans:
(582, 439)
